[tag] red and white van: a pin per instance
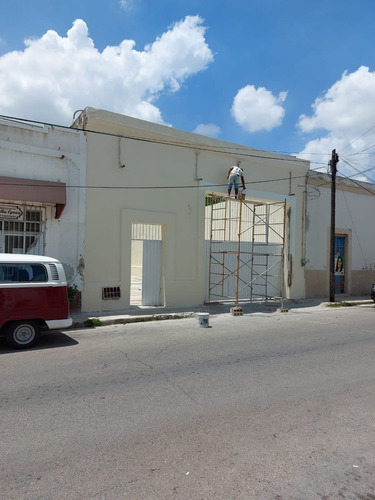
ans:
(33, 297)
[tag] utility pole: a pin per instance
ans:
(333, 164)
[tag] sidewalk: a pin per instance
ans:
(142, 313)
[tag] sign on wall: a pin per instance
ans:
(10, 212)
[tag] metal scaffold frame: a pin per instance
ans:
(245, 249)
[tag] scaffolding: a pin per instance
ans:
(245, 249)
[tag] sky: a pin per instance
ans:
(286, 76)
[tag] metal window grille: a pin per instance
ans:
(111, 293)
(142, 231)
(22, 229)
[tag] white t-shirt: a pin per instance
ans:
(237, 171)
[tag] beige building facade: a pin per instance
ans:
(139, 215)
(148, 183)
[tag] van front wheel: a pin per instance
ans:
(22, 334)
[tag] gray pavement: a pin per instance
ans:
(263, 406)
(137, 313)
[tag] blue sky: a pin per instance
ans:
(281, 75)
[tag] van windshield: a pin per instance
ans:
(22, 273)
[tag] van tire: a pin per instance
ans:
(22, 334)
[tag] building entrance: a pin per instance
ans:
(146, 265)
(340, 264)
(245, 243)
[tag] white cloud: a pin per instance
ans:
(208, 129)
(346, 113)
(258, 109)
(54, 75)
(126, 4)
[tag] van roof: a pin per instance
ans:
(14, 258)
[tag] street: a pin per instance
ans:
(276, 406)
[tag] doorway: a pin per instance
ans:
(146, 265)
(245, 247)
(340, 255)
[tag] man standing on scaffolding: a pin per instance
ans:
(234, 175)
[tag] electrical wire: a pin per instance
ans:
(199, 146)
(202, 147)
(359, 172)
(155, 187)
(355, 140)
(357, 183)
(226, 148)
(362, 151)
(355, 230)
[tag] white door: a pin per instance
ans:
(151, 273)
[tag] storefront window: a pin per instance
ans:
(21, 229)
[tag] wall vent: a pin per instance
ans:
(111, 293)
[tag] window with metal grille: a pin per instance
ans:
(142, 231)
(22, 229)
(111, 292)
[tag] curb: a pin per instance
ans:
(91, 321)
(122, 320)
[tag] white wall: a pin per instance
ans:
(354, 211)
(42, 152)
(155, 174)
(355, 206)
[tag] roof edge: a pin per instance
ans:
(91, 119)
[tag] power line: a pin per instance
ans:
(355, 229)
(318, 163)
(357, 183)
(361, 162)
(355, 140)
(363, 150)
(236, 150)
(222, 149)
(326, 183)
(156, 187)
(225, 149)
(359, 172)
(364, 172)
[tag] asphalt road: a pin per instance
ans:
(273, 406)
